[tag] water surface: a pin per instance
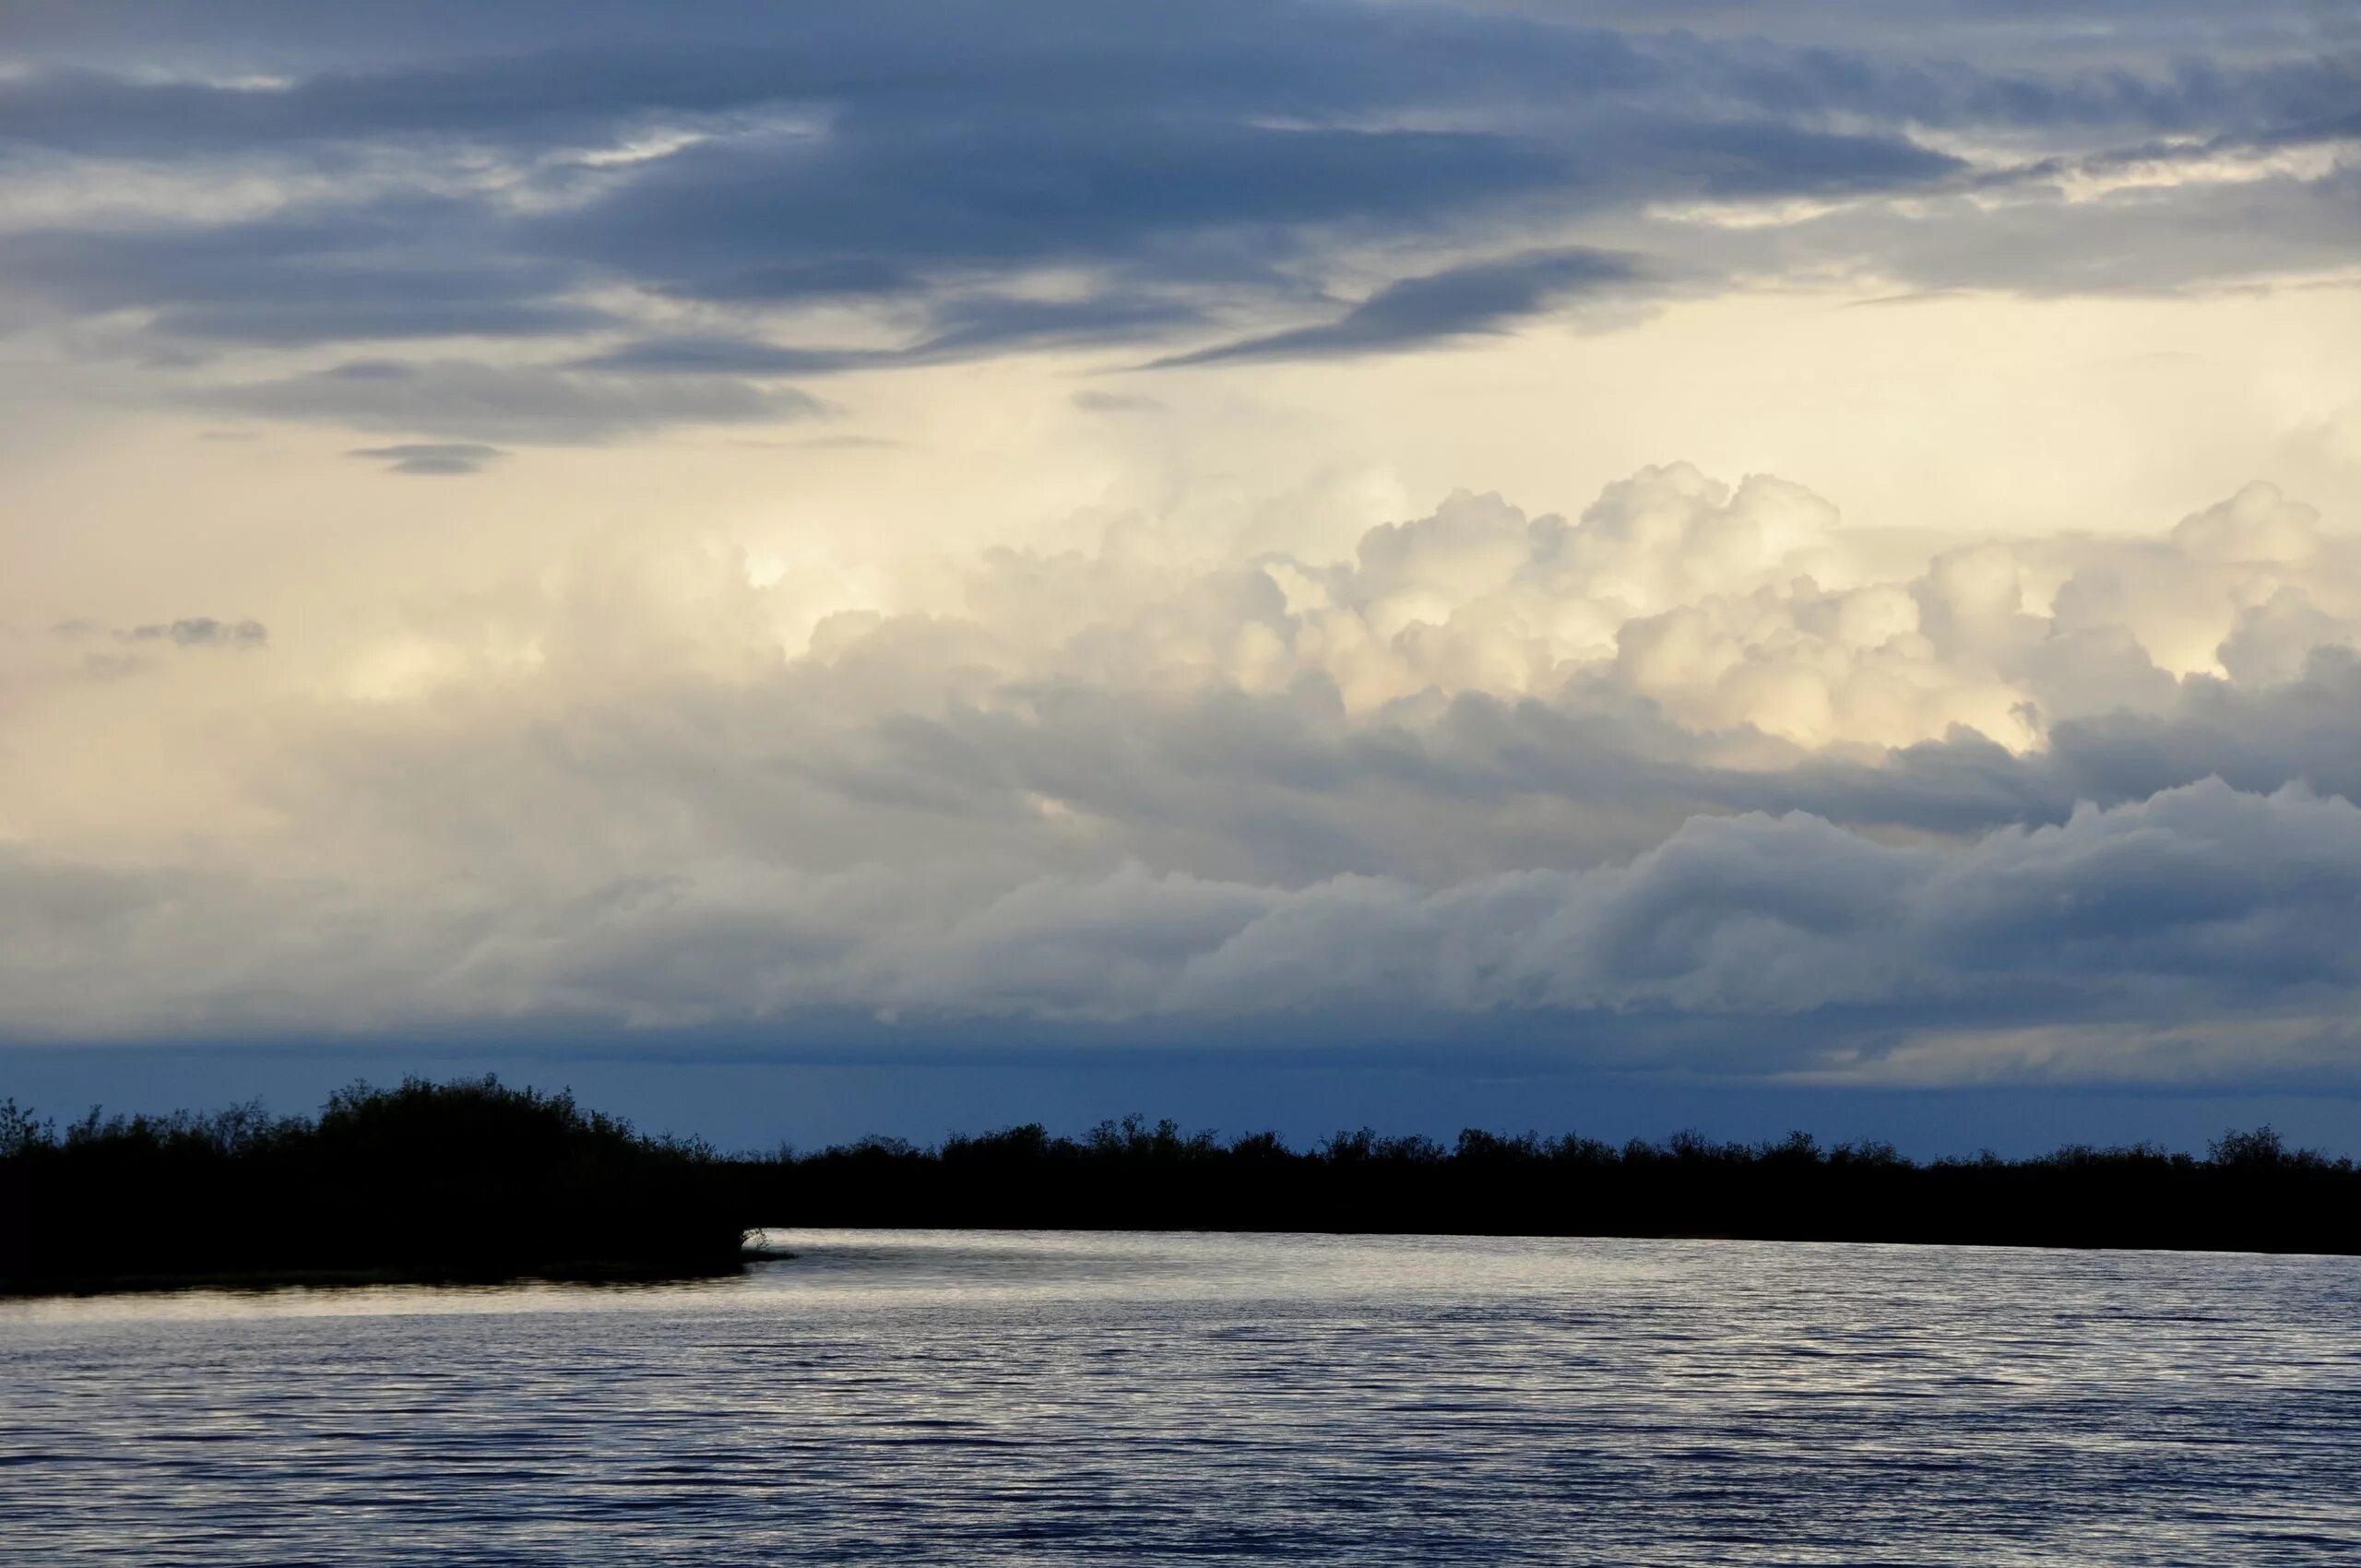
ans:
(919, 1396)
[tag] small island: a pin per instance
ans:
(474, 1181)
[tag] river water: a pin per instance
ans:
(917, 1397)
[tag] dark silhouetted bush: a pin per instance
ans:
(468, 1180)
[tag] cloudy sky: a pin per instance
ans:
(909, 565)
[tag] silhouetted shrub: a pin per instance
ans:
(462, 1180)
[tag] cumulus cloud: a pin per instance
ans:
(1725, 608)
(1682, 779)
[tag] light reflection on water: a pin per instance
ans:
(1049, 1397)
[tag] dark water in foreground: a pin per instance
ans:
(941, 1398)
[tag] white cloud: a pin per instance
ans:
(1624, 769)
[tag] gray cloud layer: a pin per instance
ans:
(1206, 172)
(500, 402)
(1481, 296)
(437, 457)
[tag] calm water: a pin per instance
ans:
(937, 1397)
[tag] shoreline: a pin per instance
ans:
(571, 1272)
(620, 1274)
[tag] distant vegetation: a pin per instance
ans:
(2250, 1193)
(475, 1181)
(469, 1180)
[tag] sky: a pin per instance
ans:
(917, 566)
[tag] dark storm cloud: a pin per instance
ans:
(543, 76)
(573, 69)
(324, 275)
(589, 170)
(980, 323)
(923, 151)
(1193, 198)
(1481, 297)
(265, 322)
(2038, 244)
(748, 357)
(847, 278)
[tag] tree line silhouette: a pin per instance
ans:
(473, 1180)
(463, 1180)
(2251, 1191)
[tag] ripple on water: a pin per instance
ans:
(1044, 1398)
